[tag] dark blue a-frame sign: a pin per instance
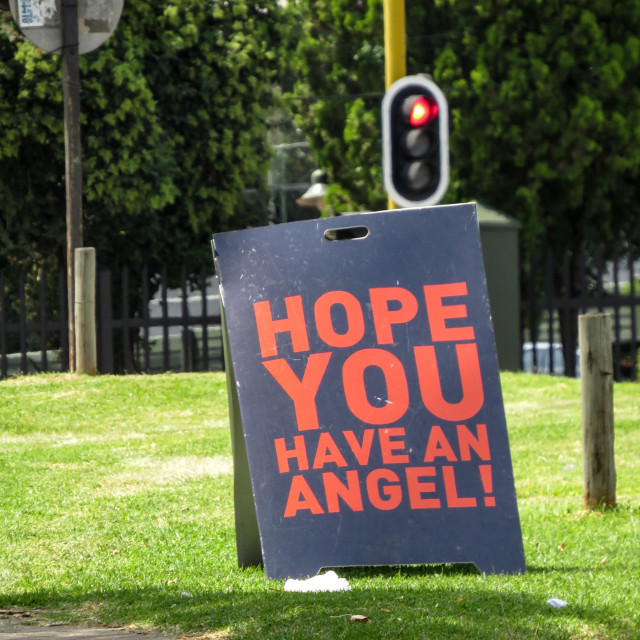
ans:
(365, 395)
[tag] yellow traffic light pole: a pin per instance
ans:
(395, 47)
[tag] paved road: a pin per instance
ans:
(14, 631)
(71, 633)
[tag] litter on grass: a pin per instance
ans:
(328, 581)
(358, 618)
(556, 603)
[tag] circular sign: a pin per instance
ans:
(40, 21)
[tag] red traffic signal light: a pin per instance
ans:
(420, 110)
(415, 137)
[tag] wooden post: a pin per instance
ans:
(85, 310)
(596, 372)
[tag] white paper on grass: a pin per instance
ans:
(556, 603)
(328, 581)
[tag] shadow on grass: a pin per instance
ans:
(419, 602)
(417, 571)
(558, 569)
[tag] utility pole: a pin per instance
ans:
(395, 47)
(73, 155)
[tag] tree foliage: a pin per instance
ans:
(174, 124)
(336, 96)
(546, 114)
(544, 99)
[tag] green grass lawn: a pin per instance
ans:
(116, 508)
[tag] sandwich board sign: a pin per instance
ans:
(367, 416)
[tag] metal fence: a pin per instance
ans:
(555, 298)
(33, 333)
(175, 329)
(152, 328)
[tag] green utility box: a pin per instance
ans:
(499, 239)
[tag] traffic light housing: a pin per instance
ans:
(415, 142)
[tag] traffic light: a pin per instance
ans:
(415, 142)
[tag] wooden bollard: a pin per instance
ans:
(596, 372)
(85, 310)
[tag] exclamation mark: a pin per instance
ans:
(487, 483)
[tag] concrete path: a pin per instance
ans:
(15, 631)
(65, 632)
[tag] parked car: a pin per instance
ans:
(546, 352)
